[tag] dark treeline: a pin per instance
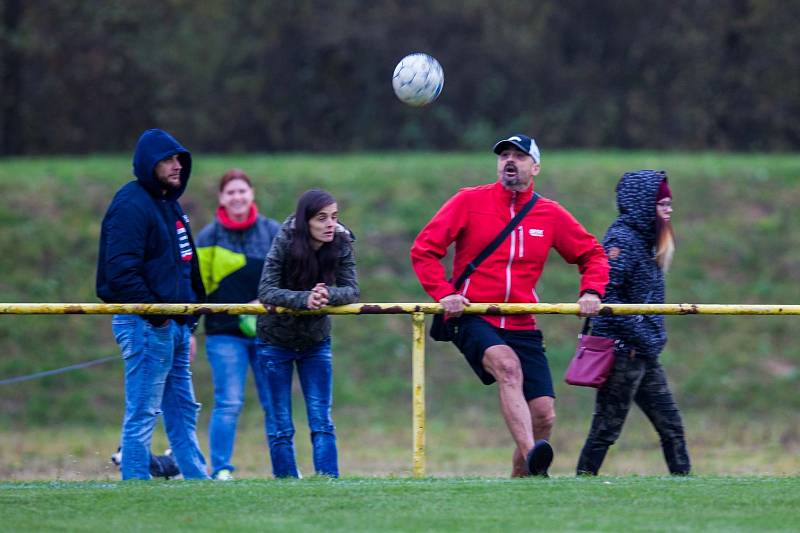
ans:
(276, 75)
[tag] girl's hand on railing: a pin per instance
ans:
(318, 297)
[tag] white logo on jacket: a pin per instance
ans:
(533, 232)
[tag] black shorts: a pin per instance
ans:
(475, 335)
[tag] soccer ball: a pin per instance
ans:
(418, 79)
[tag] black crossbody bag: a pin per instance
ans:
(445, 330)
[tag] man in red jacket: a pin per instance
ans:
(508, 349)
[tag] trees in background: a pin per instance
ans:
(10, 78)
(315, 75)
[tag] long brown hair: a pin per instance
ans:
(665, 243)
(309, 266)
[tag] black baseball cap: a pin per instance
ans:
(520, 141)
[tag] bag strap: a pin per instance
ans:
(587, 327)
(492, 246)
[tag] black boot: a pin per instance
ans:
(590, 460)
(164, 465)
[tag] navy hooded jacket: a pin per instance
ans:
(146, 250)
(635, 277)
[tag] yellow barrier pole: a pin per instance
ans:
(393, 308)
(417, 310)
(418, 393)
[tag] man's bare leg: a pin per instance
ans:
(543, 416)
(502, 363)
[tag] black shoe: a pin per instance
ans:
(539, 458)
(164, 465)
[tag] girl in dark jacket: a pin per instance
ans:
(309, 266)
(639, 245)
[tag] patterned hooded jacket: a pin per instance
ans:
(301, 332)
(635, 276)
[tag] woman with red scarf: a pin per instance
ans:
(231, 251)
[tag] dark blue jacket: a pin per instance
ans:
(635, 277)
(140, 259)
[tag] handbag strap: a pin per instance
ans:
(492, 246)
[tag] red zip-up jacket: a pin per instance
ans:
(473, 218)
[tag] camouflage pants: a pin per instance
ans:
(643, 382)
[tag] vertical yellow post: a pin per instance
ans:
(418, 385)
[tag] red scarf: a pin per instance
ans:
(226, 221)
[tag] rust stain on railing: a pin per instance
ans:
(393, 308)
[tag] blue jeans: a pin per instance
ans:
(158, 380)
(230, 356)
(315, 369)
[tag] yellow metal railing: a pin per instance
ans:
(392, 309)
(417, 312)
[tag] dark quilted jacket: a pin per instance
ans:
(301, 332)
(635, 276)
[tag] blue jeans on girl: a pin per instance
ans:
(158, 380)
(315, 369)
(230, 356)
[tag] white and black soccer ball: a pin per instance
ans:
(418, 79)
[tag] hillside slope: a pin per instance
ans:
(736, 220)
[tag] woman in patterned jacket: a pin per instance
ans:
(310, 265)
(640, 245)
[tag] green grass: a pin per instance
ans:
(736, 220)
(472, 443)
(368, 504)
(735, 378)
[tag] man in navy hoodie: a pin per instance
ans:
(147, 256)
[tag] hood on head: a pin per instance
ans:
(153, 146)
(636, 199)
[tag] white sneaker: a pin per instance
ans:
(116, 457)
(224, 475)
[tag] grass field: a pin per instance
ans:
(735, 378)
(369, 504)
(738, 236)
(467, 444)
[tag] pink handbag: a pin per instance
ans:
(593, 359)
